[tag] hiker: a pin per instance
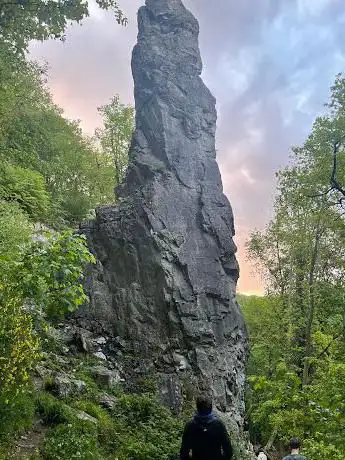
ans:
(260, 453)
(295, 446)
(205, 436)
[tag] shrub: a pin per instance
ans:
(139, 429)
(51, 410)
(16, 415)
(52, 272)
(15, 231)
(136, 408)
(148, 430)
(321, 450)
(25, 187)
(94, 410)
(68, 442)
(19, 346)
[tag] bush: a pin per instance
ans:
(15, 231)
(25, 187)
(139, 429)
(94, 410)
(136, 408)
(319, 450)
(19, 346)
(52, 272)
(51, 410)
(16, 415)
(147, 430)
(68, 442)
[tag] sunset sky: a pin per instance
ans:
(269, 63)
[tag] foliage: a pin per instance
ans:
(138, 428)
(115, 136)
(47, 275)
(148, 430)
(322, 155)
(15, 232)
(318, 450)
(16, 415)
(25, 20)
(66, 441)
(54, 172)
(51, 410)
(19, 346)
(297, 380)
(25, 187)
(52, 272)
(46, 159)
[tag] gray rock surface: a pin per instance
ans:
(64, 386)
(81, 415)
(105, 377)
(166, 274)
(108, 402)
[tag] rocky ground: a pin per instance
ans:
(88, 384)
(80, 383)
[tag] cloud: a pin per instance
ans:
(92, 65)
(268, 62)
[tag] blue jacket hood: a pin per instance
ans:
(204, 419)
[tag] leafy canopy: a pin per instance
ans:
(25, 20)
(297, 379)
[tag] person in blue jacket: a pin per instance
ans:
(205, 436)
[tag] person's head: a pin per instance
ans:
(295, 444)
(204, 404)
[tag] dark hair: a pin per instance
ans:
(204, 404)
(295, 443)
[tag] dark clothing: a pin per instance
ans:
(206, 438)
(295, 457)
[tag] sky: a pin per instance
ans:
(269, 63)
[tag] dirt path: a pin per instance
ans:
(29, 443)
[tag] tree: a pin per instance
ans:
(115, 137)
(302, 256)
(322, 154)
(25, 20)
(25, 187)
(15, 231)
(37, 141)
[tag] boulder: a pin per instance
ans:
(64, 386)
(108, 402)
(81, 415)
(105, 377)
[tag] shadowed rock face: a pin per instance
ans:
(166, 274)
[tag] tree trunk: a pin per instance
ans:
(271, 440)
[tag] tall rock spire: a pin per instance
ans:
(166, 275)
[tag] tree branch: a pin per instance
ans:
(328, 346)
(335, 185)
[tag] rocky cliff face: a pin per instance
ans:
(166, 274)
